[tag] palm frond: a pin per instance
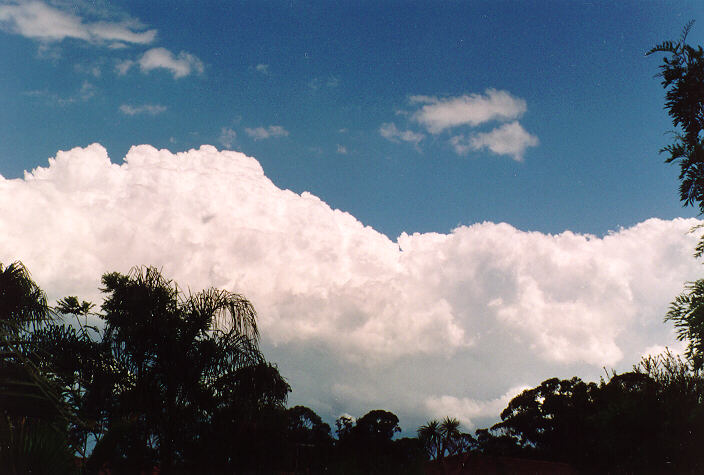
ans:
(670, 46)
(22, 302)
(225, 311)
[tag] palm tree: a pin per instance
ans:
(24, 391)
(445, 438)
(431, 437)
(451, 436)
(32, 412)
(22, 302)
(190, 362)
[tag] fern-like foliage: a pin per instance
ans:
(682, 73)
(687, 314)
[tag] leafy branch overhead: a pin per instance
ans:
(682, 73)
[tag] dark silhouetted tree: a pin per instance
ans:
(430, 436)
(682, 73)
(367, 446)
(309, 440)
(378, 426)
(444, 438)
(549, 419)
(646, 420)
(196, 381)
(168, 379)
(33, 416)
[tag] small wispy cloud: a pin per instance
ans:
(330, 82)
(390, 132)
(510, 139)
(437, 115)
(148, 109)
(91, 69)
(179, 65)
(122, 67)
(261, 133)
(227, 137)
(262, 68)
(341, 149)
(468, 111)
(45, 23)
(86, 92)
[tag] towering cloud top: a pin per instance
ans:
(488, 301)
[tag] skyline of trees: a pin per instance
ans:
(165, 379)
(166, 382)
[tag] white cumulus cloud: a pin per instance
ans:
(261, 133)
(420, 325)
(438, 114)
(46, 23)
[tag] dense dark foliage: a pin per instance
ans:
(170, 380)
(648, 420)
(367, 446)
(33, 415)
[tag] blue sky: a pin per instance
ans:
(415, 127)
(330, 74)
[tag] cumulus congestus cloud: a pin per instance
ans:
(356, 320)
